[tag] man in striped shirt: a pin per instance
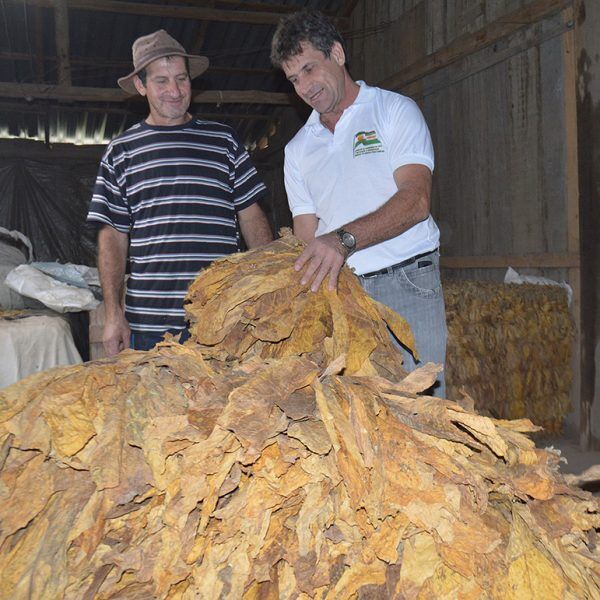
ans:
(171, 192)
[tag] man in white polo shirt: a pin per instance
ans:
(358, 180)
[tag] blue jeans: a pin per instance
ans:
(415, 293)
(147, 341)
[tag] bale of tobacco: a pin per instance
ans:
(509, 348)
(257, 468)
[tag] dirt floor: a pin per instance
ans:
(576, 459)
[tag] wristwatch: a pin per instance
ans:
(347, 240)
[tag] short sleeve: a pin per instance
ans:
(248, 188)
(299, 199)
(409, 139)
(109, 205)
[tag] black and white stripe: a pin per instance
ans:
(176, 192)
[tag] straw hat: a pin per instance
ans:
(158, 45)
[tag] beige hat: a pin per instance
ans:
(158, 45)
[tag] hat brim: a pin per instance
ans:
(197, 64)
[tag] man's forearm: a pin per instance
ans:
(112, 260)
(254, 226)
(407, 207)
(401, 212)
(325, 254)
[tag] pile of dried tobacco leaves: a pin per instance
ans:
(509, 347)
(283, 454)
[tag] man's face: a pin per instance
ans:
(168, 90)
(318, 80)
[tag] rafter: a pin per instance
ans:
(170, 11)
(93, 94)
(33, 108)
(61, 36)
(202, 30)
(38, 36)
(257, 6)
(125, 64)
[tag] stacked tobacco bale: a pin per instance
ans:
(509, 347)
(178, 474)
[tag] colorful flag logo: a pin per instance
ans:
(366, 142)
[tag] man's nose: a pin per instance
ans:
(302, 85)
(174, 88)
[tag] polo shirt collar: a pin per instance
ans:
(365, 94)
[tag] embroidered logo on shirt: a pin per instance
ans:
(367, 142)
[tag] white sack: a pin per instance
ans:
(58, 296)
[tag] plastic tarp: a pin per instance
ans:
(48, 202)
(57, 295)
(80, 276)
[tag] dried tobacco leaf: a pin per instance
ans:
(509, 348)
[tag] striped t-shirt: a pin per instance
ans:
(176, 191)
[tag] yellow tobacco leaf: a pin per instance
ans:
(312, 434)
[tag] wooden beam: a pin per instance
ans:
(583, 400)
(261, 6)
(201, 36)
(470, 43)
(124, 64)
(170, 11)
(542, 261)
(38, 35)
(94, 94)
(25, 107)
(61, 36)
(35, 150)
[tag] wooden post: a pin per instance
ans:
(573, 235)
(61, 34)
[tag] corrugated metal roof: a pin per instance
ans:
(100, 53)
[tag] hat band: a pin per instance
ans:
(158, 53)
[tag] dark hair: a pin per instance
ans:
(142, 73)
(309, 26)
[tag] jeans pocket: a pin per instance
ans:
(424, 281)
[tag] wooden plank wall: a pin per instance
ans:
(500, 182)
(497, 119)
(500, 117)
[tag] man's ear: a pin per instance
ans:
(139, 86)
(338, 54)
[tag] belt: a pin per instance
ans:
(400, 265)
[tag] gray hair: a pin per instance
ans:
(309, 26)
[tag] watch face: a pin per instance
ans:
(348, 240)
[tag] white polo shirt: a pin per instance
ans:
(347, 174)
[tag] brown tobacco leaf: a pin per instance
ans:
(257, 306)
(312, 434)
(290, 457)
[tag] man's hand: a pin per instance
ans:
(323, 257)
(116, 334)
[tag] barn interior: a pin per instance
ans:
(509, 90)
